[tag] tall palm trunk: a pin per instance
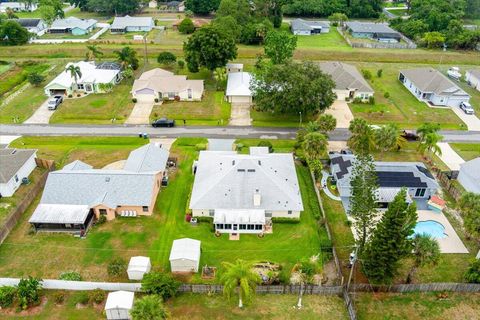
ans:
(300, 295)
(240, 302)
(411, 274)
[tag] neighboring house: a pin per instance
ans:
(77, 194)
(234, 67)
(185, 255)
(198, 23)
(132, 24)
(15, 164)
(153, 4)
(392, 176)
(238, 88)
(36, 26)
(93, 79)
(349, 83)
(473, 78)
(176, 6)
(371, 30)
(243, 192)
(308, 27)
(164, 85)
(75, 26)
(430, 85)
(469, 175)
(18, 6)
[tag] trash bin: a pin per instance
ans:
(140, 135)
(145, 136)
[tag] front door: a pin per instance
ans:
(235, 227)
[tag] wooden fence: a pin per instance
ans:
(417, 287)
(14, 216)
(266, 289)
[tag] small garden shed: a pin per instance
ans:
(137, 267)
(119, 304)
(185, 255)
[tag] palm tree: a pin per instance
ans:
(314, 146)
(75, 72)
(362, 139)
(239, 276)
(127, 58)
(149, 308)
(326, 123)
(388, 138)
(426, 251)
(430, 143)
(93, 52)
(427, 128)
(302, 274)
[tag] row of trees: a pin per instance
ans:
(325, 8)
(115, 7)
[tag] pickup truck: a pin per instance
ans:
(54, 102)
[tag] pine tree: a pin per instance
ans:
(363, 200)
(391, 241)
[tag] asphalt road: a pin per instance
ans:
(193, 131)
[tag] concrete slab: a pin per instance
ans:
(471, 120)
(337, 146)
(340, 110)
(220, 144)
(42, 114)
(450, 157)
(117, 165)
(140, 113)
(166, 143)
(240, 115)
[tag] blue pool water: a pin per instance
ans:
(430, 227)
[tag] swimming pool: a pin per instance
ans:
(433, 228)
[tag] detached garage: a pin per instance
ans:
(137, 267)
(238, 88)
(185, 255)
(119, 304)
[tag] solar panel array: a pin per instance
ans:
(399, 179)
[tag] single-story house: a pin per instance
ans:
(164, 85)
(243, 192)
(234, 67)
(137, 267)
(36, 26)
(92, 80)
(18, 6)
(198, 23)
(392, 176)
(15, 165)
(132, 24)
(75, 26)
(373, 30)
(153, 4)
(309, 27)
(430, 85)
(177, 6)
(238, 88)
(185, 255)
(76, 194)
(469, 175)
(473, 78)
(119, 304)
(349, 82)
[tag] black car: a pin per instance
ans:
(410, 135)
(163, 122)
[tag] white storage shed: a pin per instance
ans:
(185, 255)
(119, 304)
(137, 267)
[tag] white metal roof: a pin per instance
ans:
(119, 300)
(238, 84)
(252, 216)
(60, 213)
(72, 22)
(185, 248)
(139, 263)
(127, 21)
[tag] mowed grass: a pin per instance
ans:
(332, 40)
(417, 306)
(468, 151)
(152, 236)
(98, 108)
(68, 35)
(272, 119)
(401, 106)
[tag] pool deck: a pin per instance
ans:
(452, 242)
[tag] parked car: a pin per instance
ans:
(54, 102)
(163, 122)
(410, 135)
(466, 107)
(346, 151)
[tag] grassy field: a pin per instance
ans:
(399, 12)
(17, 74)
(418, 306)
(4, 67)
(97, 108)
(467, 151)
(76, 12)
(401, 107)
(153, 235)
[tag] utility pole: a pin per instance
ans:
(145, 58)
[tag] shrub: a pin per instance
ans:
(7, 296)
(186, 26)
(102, 219)
(96, 296)
(357, 100)
(166, 58)
(379, 73)
(366, 74)
(81, 298)
(371, 100)
(181, 64)
(28, 291)
(71, 275)
(200, 146)
(473, 272)
(386, 95)
(204, 219)
(188, 13)
(240, 146)
(35, 78)
(59, 297)
(116, 267)
(156, 100)
(134, 100)
(266, 143)
(160, 283)
(286, 220)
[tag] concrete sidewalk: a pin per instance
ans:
(450, 157)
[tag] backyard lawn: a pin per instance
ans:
(401, 106)
(69, 35)
(97, 108)
(417, 306)
(467, 151)
(153, 235)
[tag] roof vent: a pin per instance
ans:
(107, 179)
(259, 162)
(233, 162)
(251, 170)
(257, 198)
(240, 170)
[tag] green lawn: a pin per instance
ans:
(401, 107)
(398, 12)
(153, 235)
(270, 119)
(4, 66)
(17, 74)
(278, 145)
(467, 151)
(69, 35)
(417, 306)
(332, 40)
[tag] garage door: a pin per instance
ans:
(145, 97)
(240, 99)
(455, 102)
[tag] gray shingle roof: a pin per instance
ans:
(431, 80)
(345, 76)
(28, 23)
(150, 157)
(472, 168)
(11, 160)
(370, 27)
(308, 25)
(72, 22)
(227, 180)
(127, 21)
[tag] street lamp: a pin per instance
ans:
(300, 113)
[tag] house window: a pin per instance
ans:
(219, 225)
(80, 86)
(243, 227)
(250, 227)
(268, 214)
(171, 95)
(103, 212)
(289, 212)
(145, 208)
(420, 192)
(16, 178)
(228, 226)
(258, 227)
(211, 212)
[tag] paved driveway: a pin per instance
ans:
(450, 157)
(341, 112)
(240, 115)
(471, 120)
(42, 115)
(140, 113)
